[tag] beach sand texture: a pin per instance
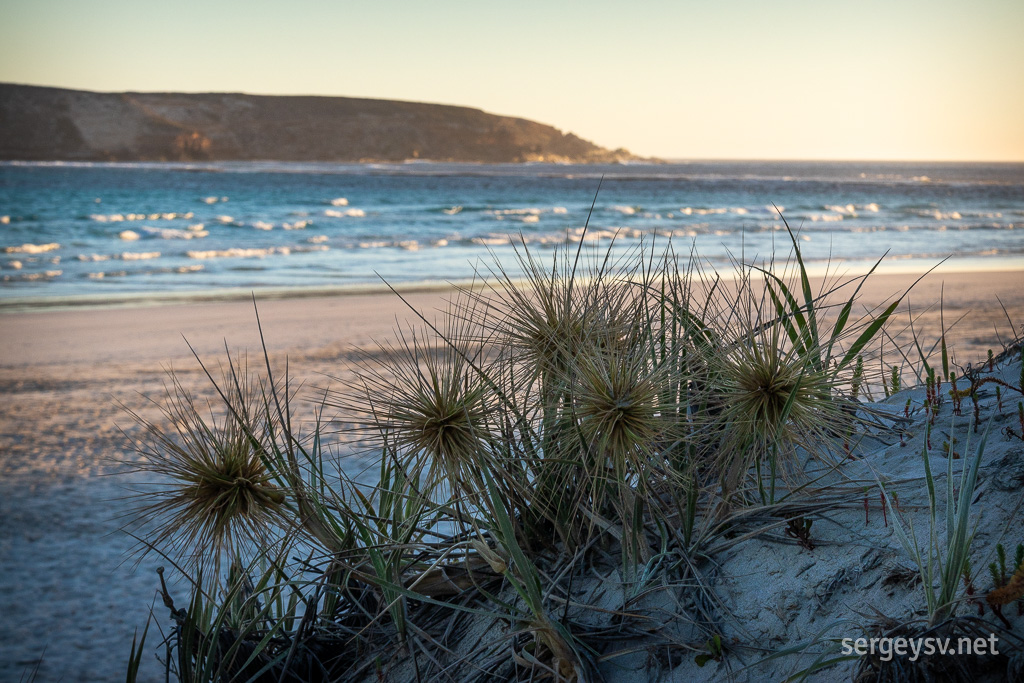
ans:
(67, 592)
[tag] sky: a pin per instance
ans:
(713, 79)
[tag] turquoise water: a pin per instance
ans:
(106, 232)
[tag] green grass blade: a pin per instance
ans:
(135, 656)
(867, 335)
(805, 285)
(844, 314)
(785, 316)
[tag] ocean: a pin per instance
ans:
(105, 233)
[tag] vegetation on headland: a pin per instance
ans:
(561, 463)
(73, 125)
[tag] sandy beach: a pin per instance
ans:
(69, 597)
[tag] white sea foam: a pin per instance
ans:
(253, 252)
(559, 209)
(172, 234)
(124, 273)
(128, 235)
(14, 265)
(941, 215)
(452, 211)
(197, 227)
(533, 218)
(121, 217)
(124, 256)
(237, 252)
(27, 277)
(5, 219)
(595, 234)
(263, 225)
(297, 225)
(492, 240)
(348, 213)
(624, 210)
(713, 211)
(847, 210)
(225, 219)
(408, 245)
(317, 239)
(531, 211)
(340, 201)
(32, 248)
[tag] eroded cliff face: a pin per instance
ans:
(39, 123)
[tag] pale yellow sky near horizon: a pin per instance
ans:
(735, 79)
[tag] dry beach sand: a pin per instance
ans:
(67, 595)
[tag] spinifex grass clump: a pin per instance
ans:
(209, 490)
(779, 376)
(611, 409)
(773, 400)
(427, 402)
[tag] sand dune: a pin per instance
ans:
(63, 373)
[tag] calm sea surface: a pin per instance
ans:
(94, 233)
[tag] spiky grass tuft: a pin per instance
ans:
(545, 321)
(211, 495)
(616, 403)
(426, 400)
(772, 400)
(770, 393)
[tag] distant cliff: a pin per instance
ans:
(55, 124)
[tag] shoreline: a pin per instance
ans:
(952, 267)
(132, 332)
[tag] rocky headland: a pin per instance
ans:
(40, 123)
